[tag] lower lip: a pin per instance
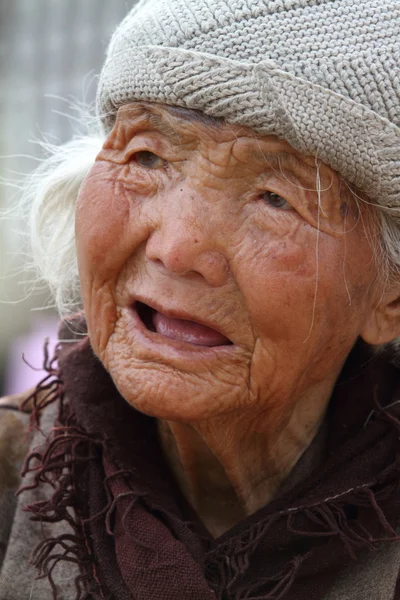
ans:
(159, 342)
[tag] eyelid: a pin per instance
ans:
(290, 189)
(143, 143)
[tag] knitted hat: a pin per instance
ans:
(322, 74)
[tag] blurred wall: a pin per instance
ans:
(50, 53)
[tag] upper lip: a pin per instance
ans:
(178, 314)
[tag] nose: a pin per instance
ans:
(186, 240)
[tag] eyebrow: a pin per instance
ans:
(165, 126)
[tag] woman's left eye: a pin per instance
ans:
(148, 159)
(275, 201)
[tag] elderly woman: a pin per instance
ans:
(220, 421)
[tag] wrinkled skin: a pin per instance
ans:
(193, 232)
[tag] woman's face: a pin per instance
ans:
(214, 277)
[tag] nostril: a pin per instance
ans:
(145, 313)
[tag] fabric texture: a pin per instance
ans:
(114, 510)
(19, 534)
(322, 74)
(13, 448)
(371, 578)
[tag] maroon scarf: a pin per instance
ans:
(136, 537)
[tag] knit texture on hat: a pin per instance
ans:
(322, 74)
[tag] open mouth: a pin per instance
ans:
(183, 330)
(146, 314)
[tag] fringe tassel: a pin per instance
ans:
(331, 519)
(68, 449)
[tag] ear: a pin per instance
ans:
(384, 324)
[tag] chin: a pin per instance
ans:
(163, 392)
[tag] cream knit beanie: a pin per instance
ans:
(322, 74)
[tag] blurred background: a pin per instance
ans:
(51, 52)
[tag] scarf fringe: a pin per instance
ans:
(329, 516)
(69, 448)
(332, 520)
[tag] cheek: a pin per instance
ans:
(298, 289)
(104, 244)
(101, 217)
(278, 281)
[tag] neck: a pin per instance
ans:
(231, 466)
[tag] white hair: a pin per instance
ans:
(47, 206)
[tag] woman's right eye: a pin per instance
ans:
(148, 159)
